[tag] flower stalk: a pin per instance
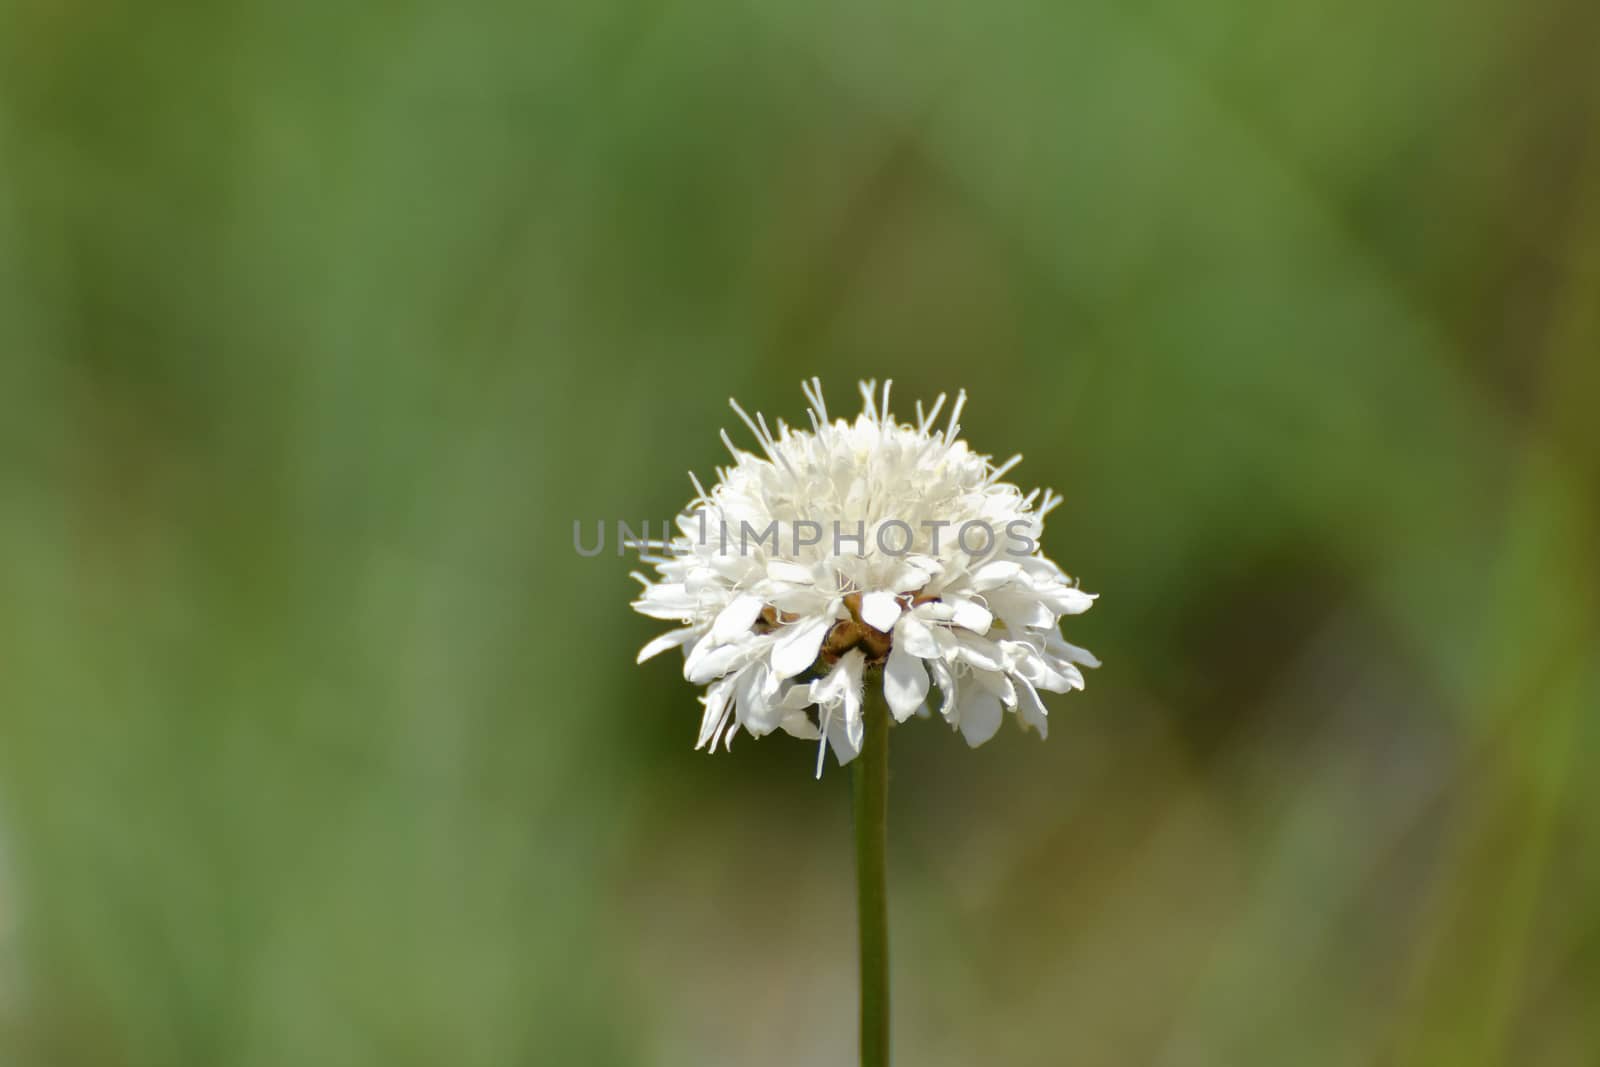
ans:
(871, 817)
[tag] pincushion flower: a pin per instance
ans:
(864, 553)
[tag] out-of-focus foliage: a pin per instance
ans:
(320, 324)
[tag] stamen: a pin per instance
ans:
(955, 416)
(869, 398)
(822, 745)
(772, 443)
(999, 471)
(755, 430)
(636, 543)
(818, 411)
(813, 391)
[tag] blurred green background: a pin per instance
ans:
(320, 324)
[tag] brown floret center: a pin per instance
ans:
(845, 634)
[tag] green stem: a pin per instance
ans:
(872, 904)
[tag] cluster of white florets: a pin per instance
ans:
(864, 553)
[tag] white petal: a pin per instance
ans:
(1030, 707)
(980, 715)
(911, 575)
(797, 599)
(845, 748)
(998, 684)
(1064, 672)
(994, 574)
(667, 601)
(1026, 660)
(850, 668)
(710, 660)
(980, 652)
(1071, 652)
(798, 724)
(670, 639)
(699, 579)
(1045, 676)
(797, 697)
(798, 644)
(1065, 600)
(735, 620)
(880, 610)
(948, 689)
(759, 709)
(1021, 610)
(781, 570)
(915, 635)
(1073, 675)
(905, 682)
(716, 701)
(970, 615)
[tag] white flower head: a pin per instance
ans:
(859, 554)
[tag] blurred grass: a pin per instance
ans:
(320, 325)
